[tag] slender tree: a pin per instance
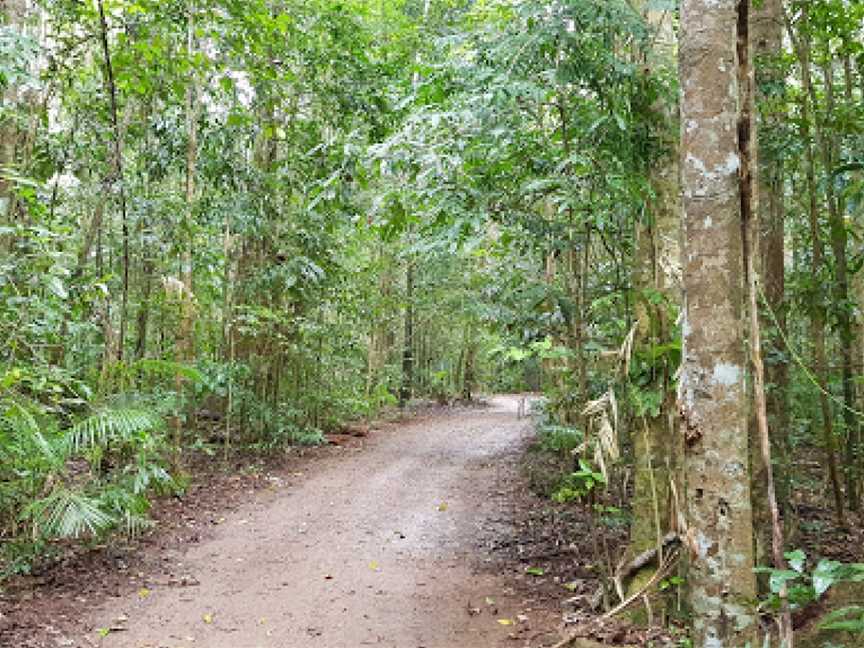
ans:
(13, 13)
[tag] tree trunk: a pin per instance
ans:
(14, 13)
(657, 449)
(839, 244)
(769, 232)
(117, 176)
(713, 395)
(186, 334)
(187, 233)
(857, 279)
(818, 309)
(407, 387)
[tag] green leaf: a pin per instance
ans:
(825, 575)
(797, 559)
(780, 577)
(56, 287)
(838, 619)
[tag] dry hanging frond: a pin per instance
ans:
(602, 414)
(625, 353)
(595, 407)
(608, 438)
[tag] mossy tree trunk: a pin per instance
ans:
(657, 447)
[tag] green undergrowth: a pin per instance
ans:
(77, 466)
(557, 466)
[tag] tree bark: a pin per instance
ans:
(713, 394)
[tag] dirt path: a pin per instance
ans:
(375, 549)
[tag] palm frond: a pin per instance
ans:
(22, 424)
(168, 368)
(110, 425)
(149, 474)
(66, 513)
(128, 507)
(135, 524)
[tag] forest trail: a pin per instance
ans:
(377, 548)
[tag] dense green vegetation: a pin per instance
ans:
(283, 215)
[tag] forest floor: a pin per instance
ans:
(408, 538)
(423, 534)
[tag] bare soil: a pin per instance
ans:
(391, 540)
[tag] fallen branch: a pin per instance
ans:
(662, 572)
(646, 557)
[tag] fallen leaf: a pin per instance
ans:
(535, 571)
(373, 566)
(571, 586)
(207, 618)
(143, 593)
(505, 622)
(103, 632)
(442, 506)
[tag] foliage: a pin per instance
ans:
(807, 586)
(282, 216)
(579, 483)
(79, 481)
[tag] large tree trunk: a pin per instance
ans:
(713, 395)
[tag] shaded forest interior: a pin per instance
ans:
(232, 227)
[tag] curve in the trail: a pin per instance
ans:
(375, 549)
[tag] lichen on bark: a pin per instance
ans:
(712, 390)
